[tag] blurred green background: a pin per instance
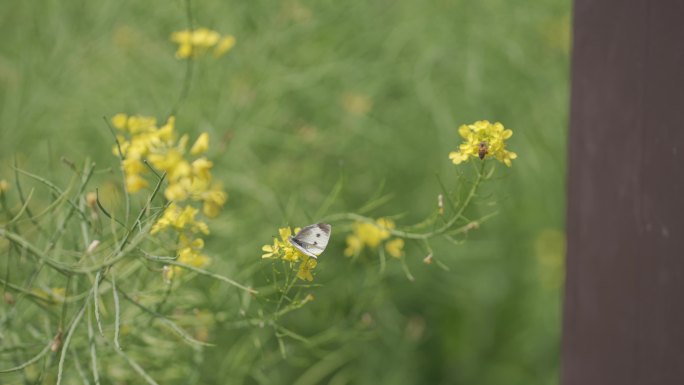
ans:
(367, 92)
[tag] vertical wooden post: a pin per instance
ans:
(624, 297)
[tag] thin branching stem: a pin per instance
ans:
(427, 235)
(201, 271)
(189, 64)
(33, 360)
(67, 340)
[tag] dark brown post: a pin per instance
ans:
(624, 299)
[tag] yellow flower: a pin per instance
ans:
(166, 132)
(189, 252)
(483, 140)
(138, 123)
(371, 234)
(204, 37)
(214, 200)
(201, 144)
(4, 186)
(188, 179)
(282, 248)
(184, 51)
(271, 250)
(181, 37)
(395, 247)
(305, 268)
(354, 246)
(177, 191)
(225, 45)
(180, 218)
(135, 183)
(133, 166)
(172, 162)
(197, 42)
(119, 121)
(201, 167)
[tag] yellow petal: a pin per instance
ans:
(225, 45)
(201, 144)
(184, 51)
(181, 37)
(464, 131)
(395, 247)
(119, 121)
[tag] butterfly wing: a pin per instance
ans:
(313, 239)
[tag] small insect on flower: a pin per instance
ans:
(312, 240)
(483, 150)
(483, 140)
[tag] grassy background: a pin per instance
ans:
(370, 93)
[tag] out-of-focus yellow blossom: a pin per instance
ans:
(187, 178)
(189, 182)
(213, 199)
(119, 121)
(4, 186)
(225, 45)
(283, 249)
(368, 234)
(197, 42)
(180, 219)
(177, 192)
(483, 140)
(201, 144)
(395, 247)
(372, 235)
(189, 253)
(134, 124)
(354, 245)
(201, 167)
(306, 268)
(135, 183)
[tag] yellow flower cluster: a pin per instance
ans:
(189, 180)
(372, 235)
(189, 253)
(180, 219)
(483, 140)
(283, 249)
(197, 42)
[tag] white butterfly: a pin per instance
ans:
(312, 240)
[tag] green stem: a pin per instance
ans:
(421, 236)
